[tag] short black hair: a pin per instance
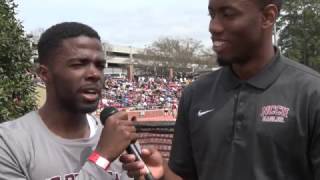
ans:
(51, 39)
(264, 3)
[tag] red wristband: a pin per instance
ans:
(99, 160)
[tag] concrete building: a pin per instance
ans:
(120, 60)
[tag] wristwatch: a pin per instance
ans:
(100, 161)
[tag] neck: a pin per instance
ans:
(63, 123)
(255, 64)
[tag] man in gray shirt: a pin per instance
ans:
(54, 143)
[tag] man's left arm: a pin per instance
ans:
(314, 133)
(315, 151)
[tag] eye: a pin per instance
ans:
(101, 65)
(228, 13)
(77, 64)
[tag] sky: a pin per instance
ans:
(135, 23)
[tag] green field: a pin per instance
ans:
(41, 95)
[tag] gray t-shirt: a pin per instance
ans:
(29, 150)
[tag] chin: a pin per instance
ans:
(88, 108)
(228, 61)
(224, 61)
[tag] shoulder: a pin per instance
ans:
(19, 125)
(204, 82)
(15, 138)
(301, 76)
(18, 130)
(200, 88)
(299, 70)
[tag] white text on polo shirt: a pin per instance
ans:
(274, 113)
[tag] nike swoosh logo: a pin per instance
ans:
(201, 113)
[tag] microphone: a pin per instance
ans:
(131, 149)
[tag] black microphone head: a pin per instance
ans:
(107, 112)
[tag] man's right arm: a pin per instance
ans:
(12, 167)
(91, 171)
(115, 137)
(14, 162)
(16, 151)
(15, 158)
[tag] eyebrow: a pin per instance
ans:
(78, 59)
(85, 60)
(225, 7)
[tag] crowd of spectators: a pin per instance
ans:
(144, 93)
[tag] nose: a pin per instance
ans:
(94, 73)
(215, 26)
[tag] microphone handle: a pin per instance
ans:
(132, 149)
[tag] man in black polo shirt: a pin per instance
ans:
(257, 118)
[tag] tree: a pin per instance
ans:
(180, 54)
(17, 91)
(299, 31)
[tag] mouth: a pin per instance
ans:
(219, 45)
(90, 94)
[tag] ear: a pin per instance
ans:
(43, 73)
(270, 14)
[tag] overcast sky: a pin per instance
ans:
(123, 22)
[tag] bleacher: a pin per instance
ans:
(157, 134)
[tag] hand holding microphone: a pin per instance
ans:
(105, 116)
(116, 135)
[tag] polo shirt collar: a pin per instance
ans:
(261, 81)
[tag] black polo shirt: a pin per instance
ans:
(265, 128)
